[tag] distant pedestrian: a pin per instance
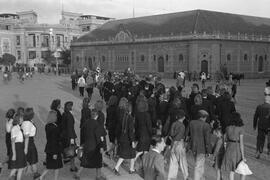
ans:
(73, 80)
(81, 84)
(200, 142)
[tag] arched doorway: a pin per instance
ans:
(90, 65)
(260, 65)
(204, 66)
(161, 64)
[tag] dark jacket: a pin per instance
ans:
(262, 117)
(153, 166)
(92, 135)
(200, 137)
(143, 126)
(59, 119)
(224, 109)
(85, 115)
(125, 131)
(53, 145)
(111, 118)
(68, 126)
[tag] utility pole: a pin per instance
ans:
(133, 9)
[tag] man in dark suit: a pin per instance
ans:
(261, 122)
(200, 142)
(153, 161)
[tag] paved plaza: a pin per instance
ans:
(42, 89)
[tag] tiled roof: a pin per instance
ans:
(199, 21)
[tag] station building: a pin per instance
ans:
(197, 40)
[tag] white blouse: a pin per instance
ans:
(29, 129)
(9, 125)
(17, 134)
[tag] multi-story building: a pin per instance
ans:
(30, 42)
(199, 40)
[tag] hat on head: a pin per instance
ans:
(180, 114)
(203, 113)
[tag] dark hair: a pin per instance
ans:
(16, 119)
(202, 114)
(113, 101)
(68, 105)
(55, 104)
(28, 114)
(196, 85)
(156, 139)
(180, 114)
(10, 113)
(236, 119)
(20, 109)
(227, 96)
(85, 103)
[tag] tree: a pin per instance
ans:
(7, 59)
(66, 56)
(48, 57)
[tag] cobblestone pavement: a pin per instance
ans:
(42, 89)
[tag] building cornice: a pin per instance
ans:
(191, 37)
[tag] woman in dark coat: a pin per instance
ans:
(143, 128)
(56, 105)
(53, 148)
(85, 115)
(92, 147)
(224, 110)
(68, 134)
(101, 121)
(125, 135)
(111, 120)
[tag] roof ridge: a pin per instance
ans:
(196, 21)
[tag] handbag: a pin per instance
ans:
(243, 169)
(70, 151)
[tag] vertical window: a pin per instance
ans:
(58, 41)
(103, 58)
(260, 66)
(18, 40)
(228, 57)
(181, 58)
(77, 59)
(132, 57)
(245, 57)
(19, 56)
(154, 57)
(32, 54)
(142, 58)
(167, 57)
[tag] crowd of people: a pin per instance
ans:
(145, 121)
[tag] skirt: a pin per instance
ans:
(125, 150)
(143, 145)
(8, 144)
(20, 161)
(32, 155)
(92, 159)
(54, 163)
(232, 157)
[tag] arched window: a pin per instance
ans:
(181, 58)
(103, 59)
(142, 57)
(260, 65)
(77, 58)
(85, 59)
(94, 58)
(245, 57)
(228, 57)
(167, 57)
(154, 57)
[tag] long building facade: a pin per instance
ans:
(199, 40)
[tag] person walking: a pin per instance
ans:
(89, 85)
(153, 162)
(81, 85)
(56, 105)
(111, 120)
(261, 122)
(178, 151)
(143, 128)
(92, 147)
(53, 148)
(68, 132)
(234, 152)
(17, 158)
(9, 115)
(125, 136)
(29, 131)
(73, 80)
(200, 142)
(85, 115)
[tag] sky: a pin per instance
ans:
(49, 11)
